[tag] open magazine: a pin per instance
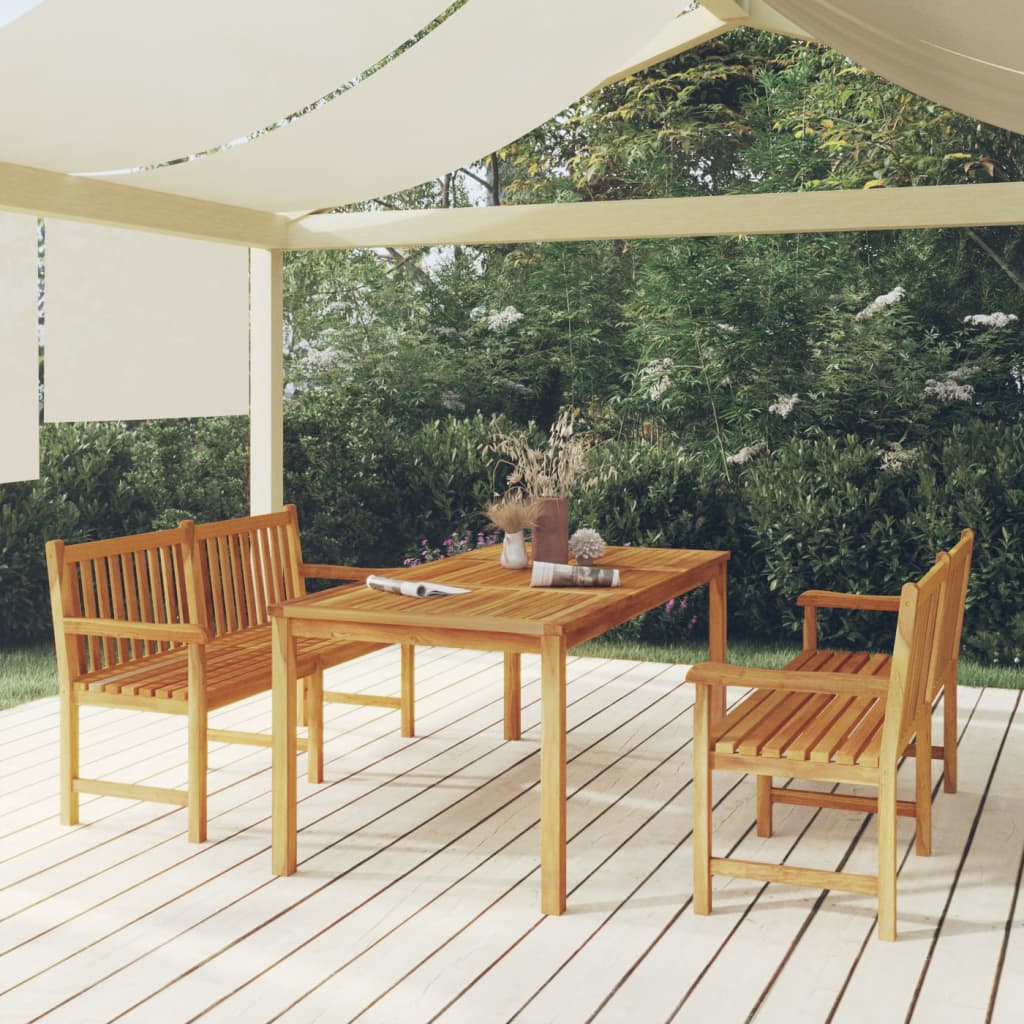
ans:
(551, 574)
(412, 588)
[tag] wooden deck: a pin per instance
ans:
(417, 896)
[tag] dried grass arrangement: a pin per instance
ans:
(556, 470)
(514, 512)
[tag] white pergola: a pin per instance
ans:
(123, 122)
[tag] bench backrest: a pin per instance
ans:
(922, 605)
(951, 617)
(140, 578)
(245, 566)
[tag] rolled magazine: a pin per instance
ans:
(551, 574)
(412, 588)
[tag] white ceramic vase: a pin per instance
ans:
(513, 551)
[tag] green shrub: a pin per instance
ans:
(84, 493)
(827, 515)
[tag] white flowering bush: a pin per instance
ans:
(746, 453)
(993, 321)
(784, 405)
(880, 302)
(656, 378)
(501, 321)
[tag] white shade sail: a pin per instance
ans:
(142, 326)
(966, 56)
(479, 81)
(19, 350)
(99, 85)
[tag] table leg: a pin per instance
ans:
(408, 690)
(552, 775)
(717, 649)
(284, 787)
(513, 695)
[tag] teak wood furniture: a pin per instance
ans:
(842, 723)
(500, 613)
(944, 671)
(177, 621)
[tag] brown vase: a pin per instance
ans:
(551, 534)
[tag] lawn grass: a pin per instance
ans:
(972, 673)
(27, 673)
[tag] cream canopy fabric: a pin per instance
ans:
(486, 76)
(966, 56)
(99, 85)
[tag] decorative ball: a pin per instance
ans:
(586, 544)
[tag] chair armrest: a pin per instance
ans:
(173, 632)
(862, 602)
(716, 673)
(311, 571)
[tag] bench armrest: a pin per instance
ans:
(716, 673)
(861, 602)
(312, 571)
(173, 632)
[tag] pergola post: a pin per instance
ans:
(266, 381)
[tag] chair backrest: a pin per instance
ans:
(245, 566)
(914, 653)
(140, 578)
(951, 619)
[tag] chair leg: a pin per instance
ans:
(764, 806)
(301, 697)
(949, 780)
(68, 757)
(887, 855)
(701, 803)
(923, 783)
(314, 708)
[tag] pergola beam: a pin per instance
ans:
(69, 197)
(879, 209)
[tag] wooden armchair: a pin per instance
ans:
(944, 671)
(843, 726)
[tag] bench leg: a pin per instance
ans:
(197, 745)
(68, 757)
(923, 783)
(702, 802)
(887, 857)
(949, 735)
(301, 695)
(408, 689)
(764, 806)
(314, 715)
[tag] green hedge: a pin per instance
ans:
(817, 511)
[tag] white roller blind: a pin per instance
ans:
(142, 326)
(19, 350)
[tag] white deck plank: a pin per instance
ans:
(417, 891)
(962, 970)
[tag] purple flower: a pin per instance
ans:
(669, 605)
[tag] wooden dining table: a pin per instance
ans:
(499, 612)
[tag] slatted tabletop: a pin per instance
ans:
(416, 898)
(500, 610)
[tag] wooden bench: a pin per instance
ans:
(842, 726)
(176, 621)
(944, 667)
